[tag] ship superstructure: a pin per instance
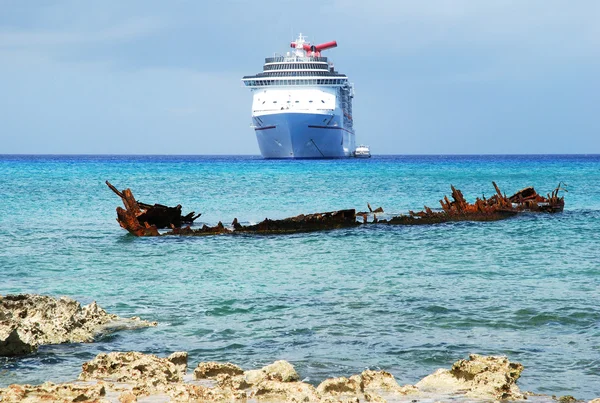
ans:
(302, 107)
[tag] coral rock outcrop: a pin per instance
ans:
(51, 392)
(281, 371)
(133, 376)
(40, 319)
(285, 391)
(131, 367)
(211, 370)
(370, 386)
(478, 377)
(180, 360)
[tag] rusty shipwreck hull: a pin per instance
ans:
(143, 220)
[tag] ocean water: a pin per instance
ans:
(405, 299)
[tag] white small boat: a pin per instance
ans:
(362, 151)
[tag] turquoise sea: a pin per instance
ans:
(405, 299)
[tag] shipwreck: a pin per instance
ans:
(142, 219)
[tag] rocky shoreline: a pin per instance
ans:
(126, 377)
(27, 321)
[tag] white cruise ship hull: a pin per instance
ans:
(303, 135)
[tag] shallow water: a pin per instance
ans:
(405, 299)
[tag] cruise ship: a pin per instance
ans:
(301, 106)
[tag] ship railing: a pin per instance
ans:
(278, 59)
(329, 82)
(297, 73)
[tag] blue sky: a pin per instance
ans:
(431, 77)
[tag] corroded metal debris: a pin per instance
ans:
(291, 225)
(145, 220)
(497, 207)
(302, 223)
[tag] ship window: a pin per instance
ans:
(274, 102)
(322, 101)
(310, 102)
(297, 101)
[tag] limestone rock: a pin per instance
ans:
(185, 392)
(55, 393)
(11, 344)
(285, 391)
(180, 360)
(144, 370)
(210, 370)
(237, 382)
(42, 319)
(479, 377)
(382, 381)
(370, 386)
(597, 400)
(129, 377)
(281, 371)
(342, 385)
(127, 397)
